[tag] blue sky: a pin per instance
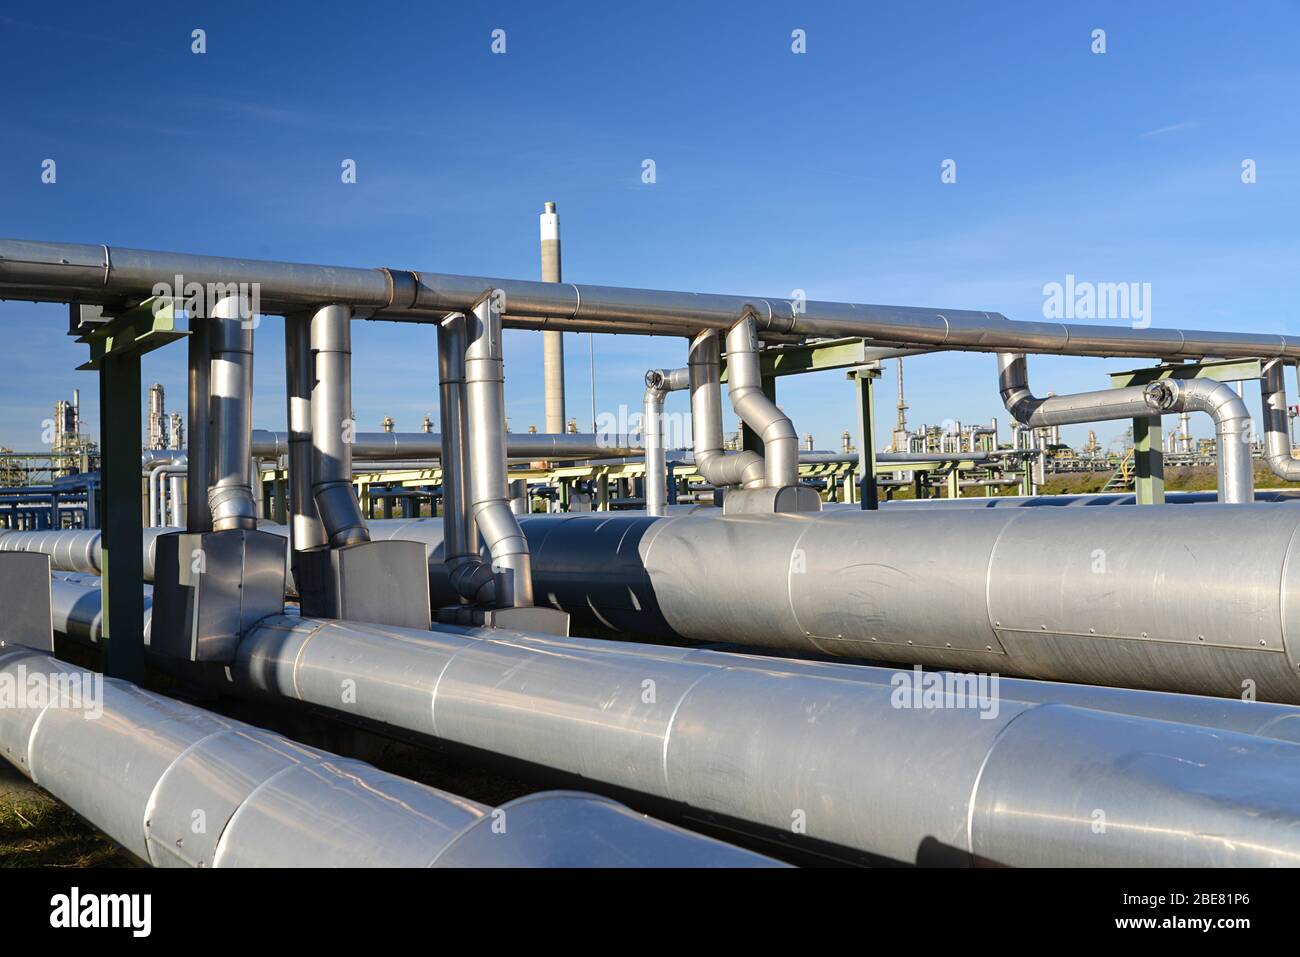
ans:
(775, 171)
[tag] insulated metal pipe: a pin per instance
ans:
(176, 484)
(69, 272)
(850, 759)
(306, 531)
(658, 383)
(139, 766)
(332, 427)
(1056, 410)
(756, 410)
(398, 446)
(1068, 594)
(1232, 423)
(460, 531)
(552, 341)
(1233, 429)
(1277, 431)
(704, 368)
(485, 438)
(839, 760)
(230, 496)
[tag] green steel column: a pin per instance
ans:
(864, 382)
(1149, 459)
(123, 524)
(954, 483)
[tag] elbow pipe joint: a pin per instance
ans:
(716, 466)
(1233, 431)
(1277, 433)
(780, 441)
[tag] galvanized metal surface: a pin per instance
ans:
(179, 786)
(69, 272)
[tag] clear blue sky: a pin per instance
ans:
(775, 171)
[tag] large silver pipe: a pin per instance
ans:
(137, 765)
(552, 341)
(1277, 430)
(485, 438)
(230, 496)
(704, 368)
(398, 446)
(1233, 429)
(306, 531)
(1068, 594)
(756, 410)
(658, 383)
(850, 760)
(978, 792)
(77, 613)
(332, 427)
(68, 272)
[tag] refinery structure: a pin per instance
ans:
(739, 651)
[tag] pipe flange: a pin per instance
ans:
(1162, 394)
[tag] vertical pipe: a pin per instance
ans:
(552, 341)
(486, 437)
(230, 496)
(177, 482)
(658, 383)
(459, 531)
(771, 426)
(332, 428)
(197, 517)
(306, 531)
(704, 367)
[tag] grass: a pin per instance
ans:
(38, 831)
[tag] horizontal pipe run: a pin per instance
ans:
(1063, 593)
(137, 765)
(396, 446)
(67, 272)
(588, 713)
(993, 784)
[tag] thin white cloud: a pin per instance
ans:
(1174, 128)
